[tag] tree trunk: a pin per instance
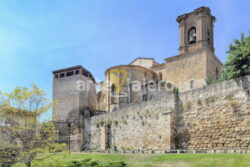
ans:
(28, 164)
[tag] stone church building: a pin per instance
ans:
(149, 119)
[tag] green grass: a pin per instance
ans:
(151, 160)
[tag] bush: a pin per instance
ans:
(116, 164)
(187, 105)
(75, 164)
(89, 163)
(8, 155)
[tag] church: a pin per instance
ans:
(119, 117)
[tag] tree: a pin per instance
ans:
(20, 111)
(238, 63)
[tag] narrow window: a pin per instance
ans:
(113, 94)
(191, 84)
(217, 73)
(77, 72)
(208, 37)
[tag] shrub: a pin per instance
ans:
(75, 164)
(116, 123)
(199, 102)
(116, 164)
(89, 163)
(210, 81)
(8, 155)
(210, 100)
(124, 122)
(176, 91)
(97, 125)
(143, 123)
(190, 124)
(102, 122)
(187, 105)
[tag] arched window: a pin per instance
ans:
(160, 76)
(130, 93)
(191, 84)
(192, 35)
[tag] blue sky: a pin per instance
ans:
(39, 36)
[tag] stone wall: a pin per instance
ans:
(149, 126)
(215, 117)
(213, 66)
(181, 70)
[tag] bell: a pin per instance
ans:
(192, 39)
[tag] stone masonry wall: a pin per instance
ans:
(213, 117)
(217, 116)
(149, 126)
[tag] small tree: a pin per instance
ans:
(20, 111)
(238, 63)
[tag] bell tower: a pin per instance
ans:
(196, 31)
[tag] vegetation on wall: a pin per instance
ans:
(210, 81)
(199, 102)
(210, 100)
(187, 105)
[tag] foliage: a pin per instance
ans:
(199, 102)
(124, 122)
(89, 163)
(8, 155)
(176, 91)
(143, 123)
(116, 123)
(210, 81)
(238, 63)
(209, 100)
(20, 111)
(187, 105)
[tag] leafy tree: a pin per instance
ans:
(20, 111)
(238, 63)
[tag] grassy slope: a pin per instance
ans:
(136, 160)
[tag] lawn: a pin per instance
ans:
(152, 160)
